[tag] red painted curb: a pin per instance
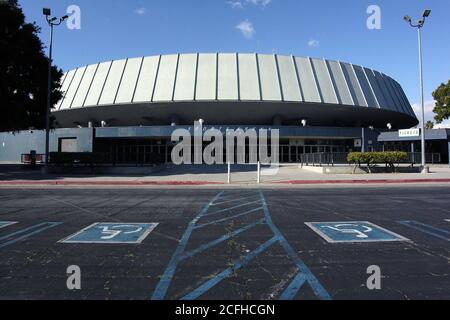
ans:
(378, 181)
(108, 183)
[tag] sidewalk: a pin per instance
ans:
(193, 175)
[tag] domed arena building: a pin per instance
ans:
(130, 107)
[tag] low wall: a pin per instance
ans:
(105, 170)
(361, 170)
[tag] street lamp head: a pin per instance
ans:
(426, 13)
(64, 18)
(46, 11)
(407, 19)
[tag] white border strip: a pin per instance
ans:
(328, 239)
(5, 224)
(153, 225)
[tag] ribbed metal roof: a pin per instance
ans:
(230, 77)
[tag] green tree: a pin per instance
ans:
(442, 97)
(429, 125)
(23, 72)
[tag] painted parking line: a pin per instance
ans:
(23, 234)
(231, 208)
(433, 231)
(112, 233)
(353, 231)
(4, 224)
(228, 218)
(303, 276)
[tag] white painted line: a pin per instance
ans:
(4, 224)
(138, 241)
(328, 239)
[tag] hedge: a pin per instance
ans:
(372, 158)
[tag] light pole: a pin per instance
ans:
(52, 21)
(419, 25)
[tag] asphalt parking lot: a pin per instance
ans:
(225, 244)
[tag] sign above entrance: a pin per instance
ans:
(409, 133)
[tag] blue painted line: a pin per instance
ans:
(164, 283)
(235, 200)
(290, 292)
(231, 208)
(229, 195)
(221, 239)
(229, 271)
(23, 234)
(317, 287)
(433, 231)
(228, 218)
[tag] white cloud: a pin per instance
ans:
(140, 11)
(429, 114)
(246, 28)
(313, 43)
(261, 3)
(235, 4)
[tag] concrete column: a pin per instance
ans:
(449, 151)
(363, 140)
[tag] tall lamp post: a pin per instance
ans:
(419, 25)
(52, 21)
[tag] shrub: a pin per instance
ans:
(372, 158)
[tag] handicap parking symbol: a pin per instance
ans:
(109, 232)
(353, 231)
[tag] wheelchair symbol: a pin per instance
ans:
(347, 228)
(110, 234)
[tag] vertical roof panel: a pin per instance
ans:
(146, 81)
(85, 84)
(398, 102)
(64, 88)
(129, 79)
(353, 85)
(166, 78)
(70, 94)
(185, 82)
(340, 83)
(307, 80)
(288, 78)
(270, 86)
(376, 88)
(109, 91)
(324, 81)
(97, 84)
(227, 77)
(365, 87)
(388, 98)
(206, 77)
(248, 77)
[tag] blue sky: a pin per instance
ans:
(115, 29)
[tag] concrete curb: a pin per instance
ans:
(106, 183)
(205, 183)
(374, 181)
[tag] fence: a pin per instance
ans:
(331, 159)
